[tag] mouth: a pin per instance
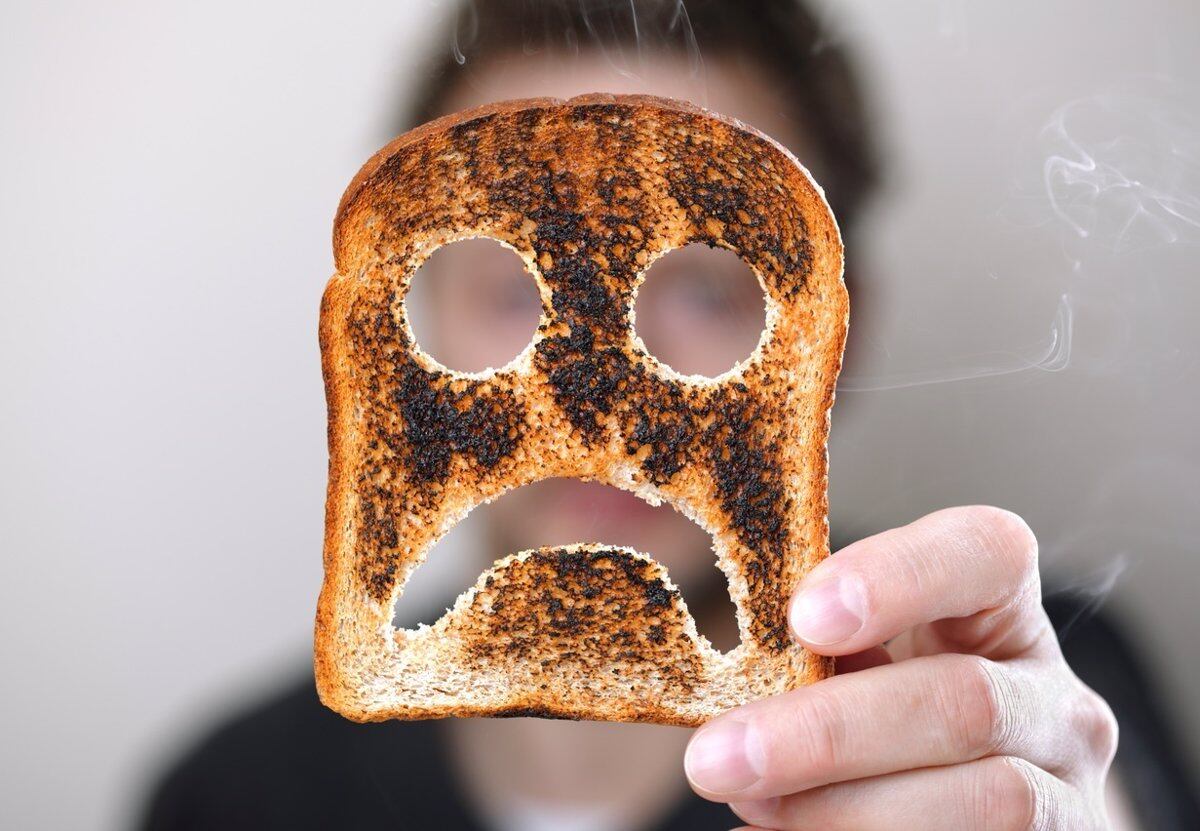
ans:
(556, 574)
(590, 504)
(583, 620)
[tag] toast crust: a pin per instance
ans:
(589, 192)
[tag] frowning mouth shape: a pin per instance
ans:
(558, 611)
(546, 521)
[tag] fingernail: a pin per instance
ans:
(830, 611)
(757, 810)
(718, 759)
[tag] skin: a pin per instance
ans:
(968, 718)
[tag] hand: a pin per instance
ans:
(969, 719)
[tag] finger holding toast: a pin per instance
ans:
(969, 718)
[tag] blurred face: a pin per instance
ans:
(699, 310)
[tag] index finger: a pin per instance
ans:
(973, 569)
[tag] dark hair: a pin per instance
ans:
(782, 37)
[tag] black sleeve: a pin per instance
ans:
(289, 763)
(1149, 759)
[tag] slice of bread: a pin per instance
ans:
(588, 192)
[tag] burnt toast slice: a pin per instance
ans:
(589, 192)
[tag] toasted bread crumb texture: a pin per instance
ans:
(589, 192)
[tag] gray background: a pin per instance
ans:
(168, 173)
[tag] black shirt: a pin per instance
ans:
(289, 763)
(292, 764)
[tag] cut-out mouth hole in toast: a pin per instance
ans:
(557, 515)
(589, 193)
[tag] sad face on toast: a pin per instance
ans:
(589, 193)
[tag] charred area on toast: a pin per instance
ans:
(417, 421)
(480, 421)
(590, 607)
(530, 712)
(591, 191)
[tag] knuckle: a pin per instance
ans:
(822, 733)
(1019, 537)
(1010, 536)
(976, 706)
(1098, 726)
(1005, 796)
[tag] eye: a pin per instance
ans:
(700, 310)
(472, 305)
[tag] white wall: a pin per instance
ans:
(168, 173)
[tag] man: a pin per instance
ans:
(970, 718)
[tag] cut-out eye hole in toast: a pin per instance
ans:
(589, 193)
